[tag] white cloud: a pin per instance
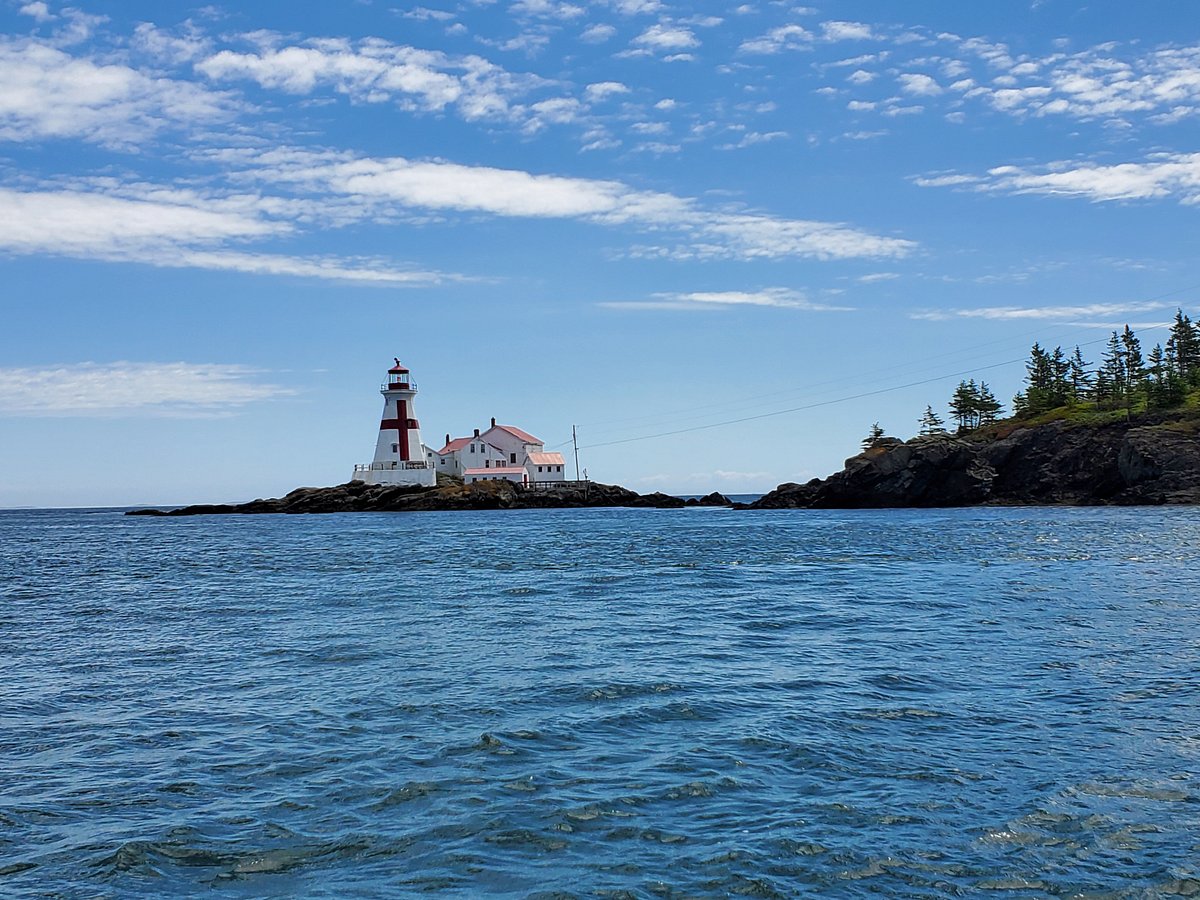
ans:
(860, 76)
(557, 111)
(424, 14)
(1163, 84)
(650, 127)
(665, 37)
(1059, 313)
(785, 37)
(597, 34)
(38, 10)
(174, 390)
(1173, 176)
(846, 31)
(173, 231)
(750, 138)
(946, 180)
(385, 186)
(47, 93)
(918, 85)
(696, 301)
(172, 48)
(545, 9)
(637, 7)
(90, 224)
(604, 89)
(373, 69)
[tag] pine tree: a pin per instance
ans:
(1183, 347)
(931, 423)
(1164, 387)
(1078, 375)
(1135, 368)
(964, 405)
(1047, 381)
(1115, 376)
(873, 436)
(988, 407)
(1060, 370)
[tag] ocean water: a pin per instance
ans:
(617, 703)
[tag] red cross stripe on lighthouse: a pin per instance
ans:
(400, 423)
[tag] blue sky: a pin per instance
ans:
(218, 224)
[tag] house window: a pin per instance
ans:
(487, 463)
(472, 448)
(512, 457)
(539, 468)
(559, 468)
(395, 447)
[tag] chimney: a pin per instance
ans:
(476, 432)
(447, 437)
(493, 421)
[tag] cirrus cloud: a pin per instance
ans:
(120, 389)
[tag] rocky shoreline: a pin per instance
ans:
(355, 496)
(1151, 461)
(1147, 461)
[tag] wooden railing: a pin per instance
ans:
(554, 485)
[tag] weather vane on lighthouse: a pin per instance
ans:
(400, 456)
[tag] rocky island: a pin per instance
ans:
(356, 496)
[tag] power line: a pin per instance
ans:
(682, 414)
(860, 396)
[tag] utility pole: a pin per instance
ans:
(575, 442)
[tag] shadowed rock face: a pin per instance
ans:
(358, 497)
(1149, 461)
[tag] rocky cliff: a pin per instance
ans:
(358, 497)
(1151, 460)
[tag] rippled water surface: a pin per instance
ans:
(601, 703)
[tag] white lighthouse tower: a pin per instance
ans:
(400, 457)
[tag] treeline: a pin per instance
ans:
(1126, 378)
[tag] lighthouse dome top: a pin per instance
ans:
(397, 369)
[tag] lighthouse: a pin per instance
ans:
(400, 457)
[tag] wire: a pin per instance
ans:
(860, 396)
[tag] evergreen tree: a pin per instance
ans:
(931, 423)
(1183, 348)
(1078, 375)
(1135, 367)
(1164, 387)
(1047, 380)
(987, 406)
(873, 436)
(1115, 379)
(964, 405)
(1060, 387)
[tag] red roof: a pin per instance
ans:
(546, 459)
(519, 434)
(456, 444)
(397, 369)
(496, 470)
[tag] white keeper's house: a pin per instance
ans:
(503, 452)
